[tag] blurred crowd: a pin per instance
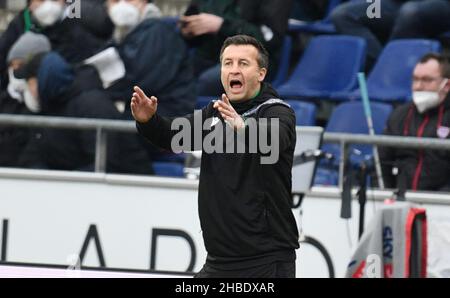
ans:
(60, 59)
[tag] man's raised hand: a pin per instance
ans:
(228, 113)
(142, 107)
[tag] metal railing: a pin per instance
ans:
(346, 139)
(103, 126)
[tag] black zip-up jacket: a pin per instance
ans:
(244, 205)
(418, 169)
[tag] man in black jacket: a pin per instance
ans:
(427, 116)
(244, 202)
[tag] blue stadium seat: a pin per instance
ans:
(329, 64)
(283, 67)
(326, 177)
(305, 112)
(390, 79)
(324, 26)
(168, 169)
(168, 157)
(349, 117)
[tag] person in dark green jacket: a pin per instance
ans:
(207, 23)
(94, 28)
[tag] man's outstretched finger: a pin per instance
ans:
(224, 105)
(225, 99)
(140, 92)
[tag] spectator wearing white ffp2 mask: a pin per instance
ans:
(427, 116)
(47, 12)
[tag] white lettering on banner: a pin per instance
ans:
(4, 240)
(74, 261)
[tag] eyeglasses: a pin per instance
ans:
(425, 80)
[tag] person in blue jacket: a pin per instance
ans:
(154, 55)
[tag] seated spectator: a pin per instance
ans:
(428, 116)
(351, 18)
(155, 58)
(60, 90)
(51, 17)
(422, 19)
(14, 100)
(309, 10)
(207, 23)
(73, 37)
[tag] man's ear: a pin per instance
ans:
(262, 74)
(447, 85)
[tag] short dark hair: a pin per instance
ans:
(263, 55)
(444, 62)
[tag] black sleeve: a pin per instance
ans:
(286, 124)
(158, 130)
(125, 154)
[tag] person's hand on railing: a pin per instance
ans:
(142, 107)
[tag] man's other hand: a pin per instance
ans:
(228, 113)
(142, 107)
(200, 24)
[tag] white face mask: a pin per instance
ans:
(425, 100)
(48, 13)
(31, 102)
(16, 87)
(124, 14)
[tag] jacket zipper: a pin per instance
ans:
(415, 182)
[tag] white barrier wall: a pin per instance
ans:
(144, 223)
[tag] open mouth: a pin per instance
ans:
(236, 85)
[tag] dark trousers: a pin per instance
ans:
(272, 270)
(423, 19)
(351, 18)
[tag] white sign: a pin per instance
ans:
(143, 223)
